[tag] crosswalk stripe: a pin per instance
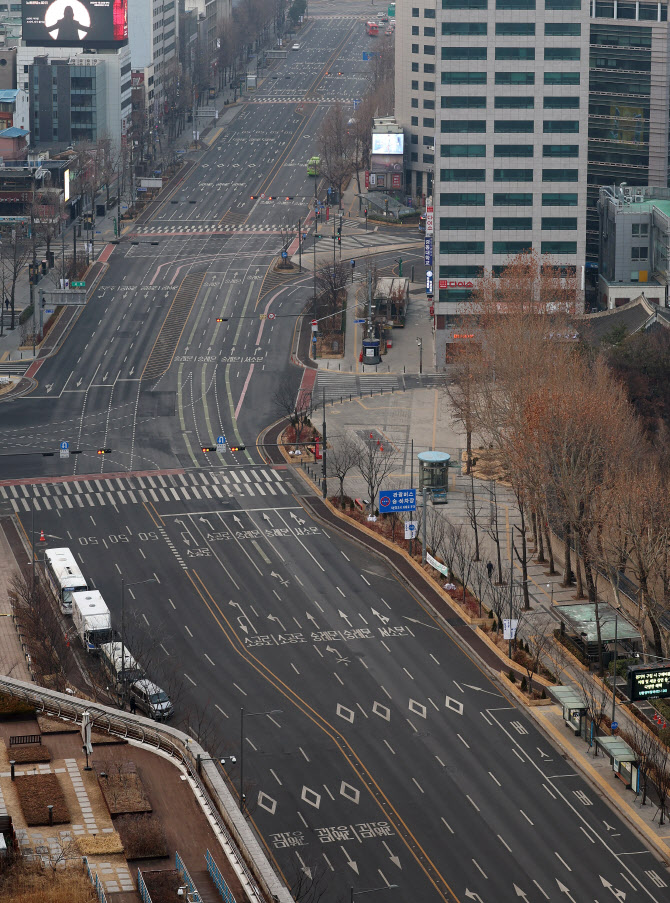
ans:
(47, 504)
(110, 497)
(100, 497)
(68, 502)
(89, 499)
(131, 496)
(122, 498)
(36, 505)
(165, 495)
(270, 489)
(245, 476)
(174, 493)
(79, 501)
(195, 492)
(15, 506)
(142, 495)
(206, 492)
(154, 497)
(58, 504)
(217, 491)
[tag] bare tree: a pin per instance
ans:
(538, 644)
(297, 407)
(342, 458)
(597, 701)
(375, 462)
(14, 259)
(336, 148)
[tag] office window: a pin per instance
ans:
(428, 122)
(460, 271)
(512, 175)
(413, 139)
(515, 78)
(415, 48)
(428, 141)
(561, 78)
(559, 223)
(414, 157)
(463, 175)
(561, 5)
(428, 158)
(429, 68)
(415, 84)
(429, 104)
(415, 12)
(414, 103)
(515, 28)
(513, 199)
(463, 28)
(463, 53)
(501, 223)
(463, 78)
(429, 32)
(515, 53)
(415, 30)
(523, 102)
(560, 175)
(514, 125)
(470, 223)
(448, 126)
(458, 103)
(557, 199)
(562, 29)
(429, 86)
(559, 247)
(414, 120)
(560, 150)
(461, 247)
(561, 103)
(563, 126)
(640, 229)
(465, 4)
(462, 199)
(515, 4)
(463, 150)
(429, 13)
(511, 247)
(639, 253)
(561, 53)
(415, 67)
(513, 150)
(429, 50)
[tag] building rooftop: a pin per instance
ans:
(634, 316)
(13, 132)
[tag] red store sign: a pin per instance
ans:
(455, 283)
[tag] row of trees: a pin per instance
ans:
(567, 438)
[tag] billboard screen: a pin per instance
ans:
(75, 23)
(649, 683)
(386, 163)
(387, 143)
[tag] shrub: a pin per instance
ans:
(142, 836)
(124, 793)
(544, 694)
(12, 705)
(512, 676)
(524, 686)
(25, 314)
(99, 844)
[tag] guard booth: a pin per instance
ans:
(434, 475)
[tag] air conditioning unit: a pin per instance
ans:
(639, 198)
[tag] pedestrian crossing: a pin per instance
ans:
(336, 386)
(14, 368)
(261, 483)
(299, 98)
(215, 229)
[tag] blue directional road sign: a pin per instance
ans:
(284, 255)
(614, 726)
(397, 500)
(65, 449)
(359, 321)
(357, 100)
(221, 444)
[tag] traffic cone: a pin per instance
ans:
(42, 536)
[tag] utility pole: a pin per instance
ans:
(423, 525)
(511, 598)
(616, 640)
(324, 482)
(299, 246)
(334, 240)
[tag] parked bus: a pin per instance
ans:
(314, 166)
(64, 577)
(372, 28)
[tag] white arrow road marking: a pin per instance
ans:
(382, 618)
(344, 617)
(481, 690)
(394, 859)
(350, 861)
(471, 895)
(203, 520)
(422, 623)
(267, 518)
(298, 519)
(565, 890)
(276, 619)
(312, 619)
(520, 893)
(619, 894)
(305, 868)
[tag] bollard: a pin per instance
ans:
(51, 815)
(12, 764)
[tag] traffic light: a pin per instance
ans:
(339, 239)
(208, 448)
(339, 229)
(235, 448)
(104, 451)
(222, 319)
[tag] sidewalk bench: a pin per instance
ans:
(24, 739)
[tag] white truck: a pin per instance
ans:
(92, 619)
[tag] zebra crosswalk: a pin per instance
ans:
(211, 229)
(261, 483)
(342, 385)
(295, 98)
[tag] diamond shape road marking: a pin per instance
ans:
(353, 794)
(417, 708)
(345, 713)
(266, 802)
(311, 797)
(454, 705)
(382, 711)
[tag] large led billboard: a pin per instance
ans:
(387, 143)
(75, 23)
(649, 683)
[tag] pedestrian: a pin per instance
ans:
(6, 302)
(133, 706)
(489, 568)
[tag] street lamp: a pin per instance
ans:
(370, 890)
(419, 343)
(123, 630)
(243, 798)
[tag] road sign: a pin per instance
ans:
(284, 255)
(315, 326)
(397, 500)
(410, 529)
(65, 449)
(78, 285)
(272, 316)
(221, 444)
(614, 726)
(509, 628)
(429, 283)
(360, 320)
(357, 102)
(263, 195)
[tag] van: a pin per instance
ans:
(295, 47)
(119, 665)
(151, 700)
(91, 619)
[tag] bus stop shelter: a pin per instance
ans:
(573, 704)
(623, 758)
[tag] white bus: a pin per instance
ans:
(64, 577)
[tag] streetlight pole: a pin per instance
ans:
(419, 343)
(123, 630)
(243, 798)
(616, 640)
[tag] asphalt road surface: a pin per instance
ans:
(388, 757)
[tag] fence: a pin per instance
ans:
(97, 883)
(218, 879)
(142, 888)
(183, 871)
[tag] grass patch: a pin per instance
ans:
(28, 883)
(29, 752)
(124, 793)
(99, 844)
(12, 705)
(36, 792)
(162, 885)
(142, 836)
(105, 739)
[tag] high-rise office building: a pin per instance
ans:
(515, 112)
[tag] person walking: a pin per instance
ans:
(489, 568)
(133, 706)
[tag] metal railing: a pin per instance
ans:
(180, 865)
(143, 889)
(235, 833)
(218, 879)
(97, 883)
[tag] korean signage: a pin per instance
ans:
(456, 283)
(429, 220)
(428, 250)
(75, 23)
(397, 500)
(649, 683)
(429, 283)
